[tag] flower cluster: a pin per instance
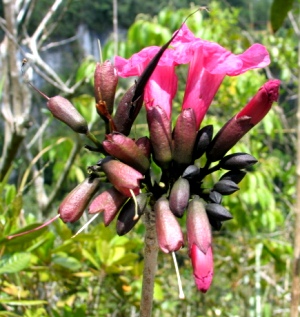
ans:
(126, 163)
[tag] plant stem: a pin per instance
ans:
(150, 264)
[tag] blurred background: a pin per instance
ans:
(97, 273)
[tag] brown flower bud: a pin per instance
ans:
(126, 150)
(109, 202)
(122, 176)
(184, 137)
(144, 145)
(179, 196)
(105, 83)
(160, 135)
(74, 204)
(169, 234)
(63, 110)
(124, 117)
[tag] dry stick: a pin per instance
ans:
(295, 292)
(150, 264)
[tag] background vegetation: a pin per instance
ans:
(49, 273)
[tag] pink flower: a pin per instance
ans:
(203, 267)
(162, 85)
(209, 64)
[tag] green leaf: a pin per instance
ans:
(22, 302)
(67, 262)
(14, 263)
(8, 314)
(279, 11)
(91, 258)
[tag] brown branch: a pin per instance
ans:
(16, 98)
(150, 264)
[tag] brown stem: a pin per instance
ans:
(150, 264)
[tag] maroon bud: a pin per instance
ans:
(109, 202)
(74, 204)
(226, 187)
(126, 150)
(123, 177)
(184, 137)
(179, 196)
(198, 227)
(127, 217)
(203, 139)
(105, 83)
(218, 212)
(63, 110)
(237, 161)
(160, 135)
(144, 145)
(169, 234)
(124, 116)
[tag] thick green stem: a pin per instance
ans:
(150, 264)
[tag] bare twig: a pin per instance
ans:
(60, 43)
(40, 29)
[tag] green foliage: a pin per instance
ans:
(279, 11)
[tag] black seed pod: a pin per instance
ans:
(126, 219)
(215, 197)
(204, 137)
(190, 172)
(214, 223)
(218, 212)
(235, 176)
(226, 187)
(237, 161)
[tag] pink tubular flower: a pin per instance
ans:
(209, 64)
(203, 267)
(162, 86)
